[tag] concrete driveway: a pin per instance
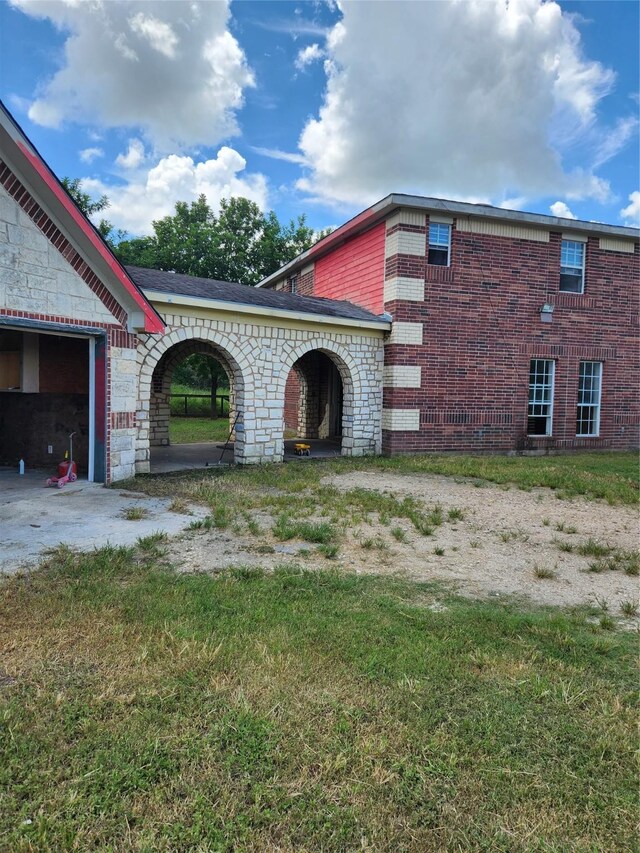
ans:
(83, 515)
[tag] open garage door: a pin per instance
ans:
(52, 383)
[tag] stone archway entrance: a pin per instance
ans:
(341, 357)
(314, 398)
(161, 382)
(158, 365)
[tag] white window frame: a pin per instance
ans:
(589, 405)
(540, 403)
(438, 243)
(568, 268)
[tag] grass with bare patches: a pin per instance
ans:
(304, 711)
(612, 477)
(609, 476)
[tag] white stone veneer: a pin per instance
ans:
(260, 356)
(34, 277)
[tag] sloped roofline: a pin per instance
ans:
(24, 156)
(383, 208)
(162, 286)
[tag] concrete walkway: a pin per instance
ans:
(184, 457)
(83, 515)
(34, 518)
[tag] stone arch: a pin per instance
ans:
(349, 370)
(162, 378)
(158, 357)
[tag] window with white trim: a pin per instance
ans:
(589, 392)
(540, 415)
(572, 266)
(293, 284)
(439, 244)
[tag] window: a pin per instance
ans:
(439, 244)
(293, 284)
(572, 266)
(540, 397)
(589, 387)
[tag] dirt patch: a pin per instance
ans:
(503, 545)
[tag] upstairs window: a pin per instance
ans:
(293, 284)
(439, 244)
(589, 386)
(572, 266)
(541, 372)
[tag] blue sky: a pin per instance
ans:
(323, 107)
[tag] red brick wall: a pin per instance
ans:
(354, 271)
(482, 326)
(291, 400)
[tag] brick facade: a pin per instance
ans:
(456, 372)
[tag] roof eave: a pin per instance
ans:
(76, 227)
(162, 297)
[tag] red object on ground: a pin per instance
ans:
(63, 468)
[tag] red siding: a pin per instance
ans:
(354, 271)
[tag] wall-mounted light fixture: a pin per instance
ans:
(546, 313)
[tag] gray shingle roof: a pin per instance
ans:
(242, 294)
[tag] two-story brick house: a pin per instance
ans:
(511, 330)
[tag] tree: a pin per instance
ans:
(90, 206)
(202, 371)
(239, 244)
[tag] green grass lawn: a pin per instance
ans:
(304, 711)
(190, 430)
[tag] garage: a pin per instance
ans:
(69, 322)
(47, 392)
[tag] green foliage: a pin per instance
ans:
(90, 206)
(199, 371)
(239, 244)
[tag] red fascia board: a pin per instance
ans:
(152, 321)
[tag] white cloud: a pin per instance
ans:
(277, 154)
(133, 207)
(159, 34)
(171, 68)
(614, 140)
(307, 55)
(516, 203)
(134, 157)
(463, 98)
(631, 213)
(88, 155)
(559, 208)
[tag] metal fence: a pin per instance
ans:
(198, 405)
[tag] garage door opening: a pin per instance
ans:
(47, 391)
